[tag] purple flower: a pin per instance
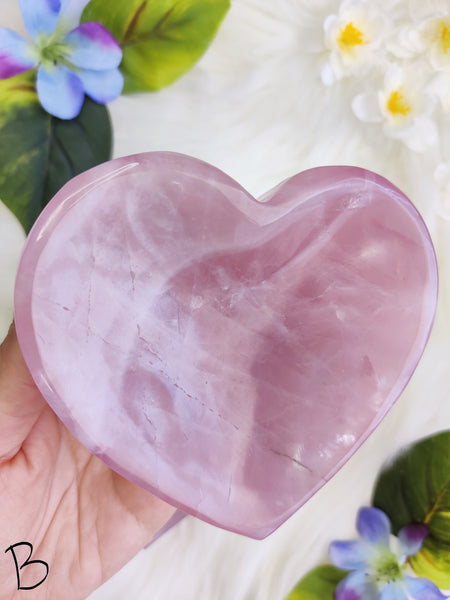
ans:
(70, 64)
(376, 572)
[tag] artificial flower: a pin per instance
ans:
(69, 65)
(376, 572)
(352, 38)
(427, 35)
(433, 38)
(403, 106)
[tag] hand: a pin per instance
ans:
(83, 519)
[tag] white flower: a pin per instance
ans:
(427, 35)
(403, 106)
(430, 38)
(434, 37)
(442, 178)
(352, 38)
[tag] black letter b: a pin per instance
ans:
(25, 564)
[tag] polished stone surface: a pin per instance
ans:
(226, 354)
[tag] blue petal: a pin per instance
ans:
(102, 86)
(71, 11)
(40, 16)
(422, 589)
(60, 92)
(93, 47)
(373, 526)
(356, 586)
(348, 555)
(393, 591)
(411, 538)
(14, 58)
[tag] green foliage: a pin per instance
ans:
(318, 584)
(40, 153)
(161, 39)
(415, 488)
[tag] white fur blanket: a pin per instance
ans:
(256, 106)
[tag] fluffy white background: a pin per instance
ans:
(255, 107)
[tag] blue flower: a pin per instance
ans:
(376, 572)
(70, 64)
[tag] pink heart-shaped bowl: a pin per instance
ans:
(228, 355)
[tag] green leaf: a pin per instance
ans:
(40, 153)
(318, 584)
(415, 488)
(161, 39)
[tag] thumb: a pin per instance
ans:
(21, 403)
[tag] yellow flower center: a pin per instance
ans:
(349, 37)
(444, 36)
(397, 104)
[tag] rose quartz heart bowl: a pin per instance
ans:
(228, 355)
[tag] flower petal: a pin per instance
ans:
(411, 538)
(102, 86)
(349, 555)
(356, 586)
(327, 74)
(422, 589)
(93, 47)
(420, 136)
(60, 92)
(13, 54)
(373, 526)
(394, 77)
(71, 11)
(366, 108)
(393, 591)
(40, 16)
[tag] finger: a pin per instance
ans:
(21, 404)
